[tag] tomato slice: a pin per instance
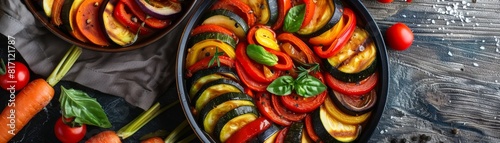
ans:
(125, 18)
(263, 102)
(308, 16)
(280, 138)
(213, 28)
(296, 42)
(248, 81)
(283, 111)
(203, 64)
(251, 68)
(237, 7)
(283, 7)
(149, 21)
(352, 89)
(301, 104)
(310, 129)
(342, 39)
(249, 131)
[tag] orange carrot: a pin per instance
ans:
(29, 101)
(105, 137)
(153, 140)
(33, 98)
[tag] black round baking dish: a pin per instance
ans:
(363, 17)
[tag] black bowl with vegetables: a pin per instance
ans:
(110, 25)
(260, 71)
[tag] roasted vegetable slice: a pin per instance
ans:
(213, 89)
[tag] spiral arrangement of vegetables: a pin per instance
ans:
(281, 70)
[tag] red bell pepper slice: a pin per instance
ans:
(310, 129)
(280, 138)
(151, 22)
(343, 38)
(263, 103)
(284, 61)
(125, 18)
(237, 7)
(301, 104)
(352, 89)
(283, 111)
(296, 42)
(213, 28)
(203, 64)
(248, 91)
(248, 81)
(310, 7)
(250, 66)
(249, 131)
(283, 7)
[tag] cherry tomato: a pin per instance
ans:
(385, 1)
(68, 134)
(399, 37)
(16, 76)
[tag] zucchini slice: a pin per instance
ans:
(356, 60)
(219, 106)
(213, 35)
(327, 13)
(228, 20)
(269, 135)
(294, 133)
(273, 9)
(113, 29)
(335, 112)
(234, 120)
(331, 130)
(204, 76)
(213, 89)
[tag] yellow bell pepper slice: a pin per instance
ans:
(199, 50)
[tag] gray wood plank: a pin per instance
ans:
(447, 84)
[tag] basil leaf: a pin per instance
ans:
(281, 86)
(294, 18)
(261, 56)
(309, 86)
(84, 109)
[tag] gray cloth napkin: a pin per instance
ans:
(138, 76)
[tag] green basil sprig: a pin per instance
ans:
(294, 18)
(84, 109)
(305, 85)
(261, 56)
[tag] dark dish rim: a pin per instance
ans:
(38, 13)
(361, 12)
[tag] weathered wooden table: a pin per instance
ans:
(445, 88)
(442, 89)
